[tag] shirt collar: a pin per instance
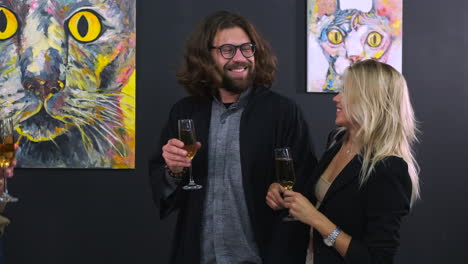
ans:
(242, 101)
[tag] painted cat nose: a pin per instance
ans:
(43, 88)
(355, 59)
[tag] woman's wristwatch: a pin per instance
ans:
(331, 238)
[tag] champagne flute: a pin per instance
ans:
(284, 169)
(187, 135)
(7, 154)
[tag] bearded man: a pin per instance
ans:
(228, 69)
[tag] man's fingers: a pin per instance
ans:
(172, 157)
(174, 150)
(177, 162)
(175, 142)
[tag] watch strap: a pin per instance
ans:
(331, 238)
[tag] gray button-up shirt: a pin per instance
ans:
(227, 235)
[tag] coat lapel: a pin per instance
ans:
(321, 167)
(202, 125)
(201, 114)
(349, 173)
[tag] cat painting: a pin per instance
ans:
(339, 37)
(67, 79)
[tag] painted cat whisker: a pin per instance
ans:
(112, 112)
(19, 113)
(112, 103)
(88, 145)
(55, 143)
(87, 141)
(106, 129)
(108, 140)
(83, 117)
(120, 94)
(92, 134)
(110, 120)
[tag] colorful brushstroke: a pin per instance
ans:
(340, 33)
(67, 73)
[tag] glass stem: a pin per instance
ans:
(5, 189)
(191, 182)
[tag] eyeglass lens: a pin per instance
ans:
(229, 51)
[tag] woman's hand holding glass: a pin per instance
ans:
(300, 207)
(274, 197)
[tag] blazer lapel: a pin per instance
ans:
(321, 167)
(349, 173)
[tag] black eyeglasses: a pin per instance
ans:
(228, 51)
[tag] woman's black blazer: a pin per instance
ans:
(371, 214)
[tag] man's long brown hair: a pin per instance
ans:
(199, 74)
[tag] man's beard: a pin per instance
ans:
(238, 86)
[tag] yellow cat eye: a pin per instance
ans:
(335, 36)
(8, 23)
(374, 39)
(85, 26)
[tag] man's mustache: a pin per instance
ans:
(237, 65)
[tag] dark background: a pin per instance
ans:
(107, 216)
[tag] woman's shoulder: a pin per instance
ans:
(391, 170)
(393, 163)
(389, 186)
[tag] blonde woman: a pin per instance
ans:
(367, 179)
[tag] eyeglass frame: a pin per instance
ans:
(238, 47)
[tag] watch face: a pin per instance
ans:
(327, 242)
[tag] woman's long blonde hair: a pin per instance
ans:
(376, 100)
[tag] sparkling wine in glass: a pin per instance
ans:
(187, 135)
(284, 169)
(7, 154)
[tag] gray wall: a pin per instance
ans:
(106, 216)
